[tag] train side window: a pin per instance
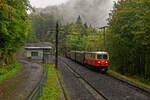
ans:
(88, 55)
(93, 56)
(99, 56)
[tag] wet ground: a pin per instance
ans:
(76, 90)
(110, 87)
(20, 86)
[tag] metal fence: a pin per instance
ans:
(39, 87)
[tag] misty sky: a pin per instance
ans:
(45, 3)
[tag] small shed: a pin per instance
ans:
(37, 50)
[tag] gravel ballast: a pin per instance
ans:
(75, 88)
(113, 89)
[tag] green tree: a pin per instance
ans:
(14, 27)
(129, 43)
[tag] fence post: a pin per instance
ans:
(46, 68)
(41, 90)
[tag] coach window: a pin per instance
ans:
(88, 56)
(93, 56)
(99, 56)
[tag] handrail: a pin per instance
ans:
(39, 87)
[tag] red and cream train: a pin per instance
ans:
(96, 59)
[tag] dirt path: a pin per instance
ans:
(20, 86)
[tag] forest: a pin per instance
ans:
(127, 36)
(14, 28)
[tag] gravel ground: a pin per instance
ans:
(20, 86)
(76, 89)
(112, 88)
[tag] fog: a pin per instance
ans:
(94, 12)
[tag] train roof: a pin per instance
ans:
(100, 52)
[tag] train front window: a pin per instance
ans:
(105, 57)
(99, 56)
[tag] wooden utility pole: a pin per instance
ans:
(56, 55)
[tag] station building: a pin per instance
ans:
(37, 50)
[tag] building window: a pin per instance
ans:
(46, 51)
(34, 53)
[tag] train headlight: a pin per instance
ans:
(99, 62)
(106, 62)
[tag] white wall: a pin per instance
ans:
(40, 54)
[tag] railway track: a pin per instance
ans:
(138, 88)
(97, 94)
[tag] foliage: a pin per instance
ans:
(80, 37)
(9, 70)
(14, 27)
(42, 25)
(51, 90)
(72, 36)
(129, 43)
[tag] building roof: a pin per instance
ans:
(40, 45)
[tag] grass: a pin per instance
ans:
(134, 79)
(9, 70)
(51, 91)
(25, 54)
(44, 67)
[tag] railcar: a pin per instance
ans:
(73, 55)
(80, 56)
(98, 60)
